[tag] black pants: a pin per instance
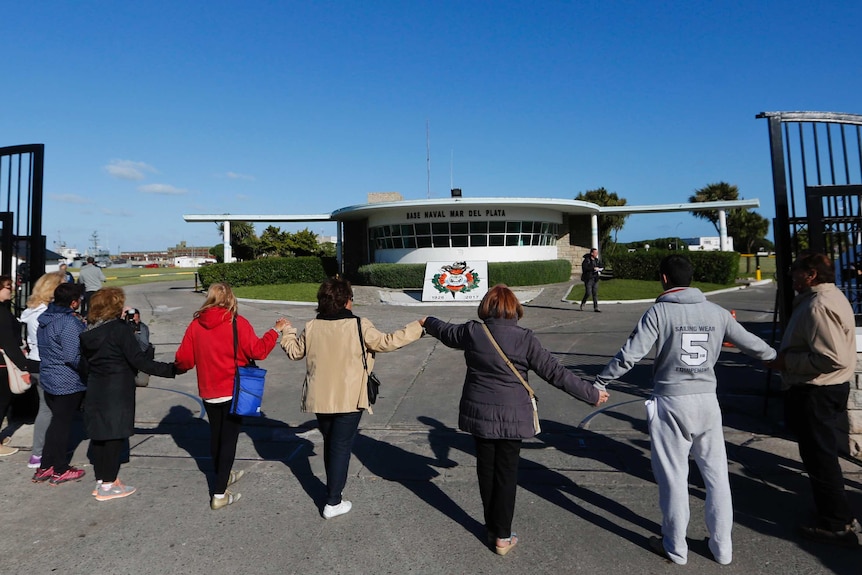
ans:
(63, 409)
(85, 303)
(106, 458)
(813, 413)
(497, 468)
(592, 289)
(339, 432)
(5, 395)
(224, 433)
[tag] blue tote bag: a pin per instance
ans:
(248, 385)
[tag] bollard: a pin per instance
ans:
(757, 274)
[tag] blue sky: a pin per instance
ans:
(151, 110)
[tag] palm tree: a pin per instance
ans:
(719, 192)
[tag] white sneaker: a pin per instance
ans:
(330, 511)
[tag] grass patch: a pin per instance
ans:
(280, 292)
(622, 289)
(119, 277)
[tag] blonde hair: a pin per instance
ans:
(219, 295)
(105, 304)
(43, 291)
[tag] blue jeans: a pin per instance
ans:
(339, 431)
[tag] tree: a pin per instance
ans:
(720, 192)
(243, 240)
(746, 228)
(607, 223)
(304, 243)
(275, 243)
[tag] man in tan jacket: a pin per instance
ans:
(817, 359)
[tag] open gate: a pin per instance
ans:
(817, 181)
(22, 245)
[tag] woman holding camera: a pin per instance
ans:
(111, 356)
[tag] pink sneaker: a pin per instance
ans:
(43, 475)
(71, 474)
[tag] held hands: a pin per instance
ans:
(603, 397)
(777, 364)
(422, 321)
(281, 324)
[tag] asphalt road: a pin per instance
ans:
(587, 501)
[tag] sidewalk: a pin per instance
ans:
(587, 501)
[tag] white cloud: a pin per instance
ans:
(162, 189)
(129, 170)
(69, 199)
(236, 176)
(242, 197)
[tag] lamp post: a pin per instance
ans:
(676, 236)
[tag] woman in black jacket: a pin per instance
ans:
(495, 405)
(111, 357)
(10, 342)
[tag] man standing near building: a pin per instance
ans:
(817, 360)
(92, 277)
(683, 414)
(591, 270)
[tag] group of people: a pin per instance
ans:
(817, 357)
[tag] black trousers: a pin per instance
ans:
(339, 432)
(5, 395)
(224, 433)
(63, 409)
(106, 458)
(813, 414)
(497, 468)
(592, 289)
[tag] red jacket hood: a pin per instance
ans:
(212, 317)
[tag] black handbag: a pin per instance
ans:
(371, 378)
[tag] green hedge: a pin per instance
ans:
(411, 276)
(266, 271)
(710, 267)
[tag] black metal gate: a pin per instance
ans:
(22, 245)
(817, 179)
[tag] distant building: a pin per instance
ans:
(709, 244)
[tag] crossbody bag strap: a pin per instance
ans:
(362, 343)
(509, 362)
(235, 362)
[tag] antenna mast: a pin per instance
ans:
(428, 155)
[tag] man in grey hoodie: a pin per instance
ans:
(683, 414)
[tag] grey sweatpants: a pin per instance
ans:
(678, 426)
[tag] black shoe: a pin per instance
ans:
(844, 538)
(582, 308)
(597, 310)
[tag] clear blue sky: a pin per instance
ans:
(150, 110)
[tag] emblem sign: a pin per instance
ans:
(455, 281)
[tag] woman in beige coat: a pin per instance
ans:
(335, 378)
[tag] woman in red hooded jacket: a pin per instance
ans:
(208, 346)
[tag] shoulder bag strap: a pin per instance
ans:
(509, 362)
(362, 343)
(235, 362)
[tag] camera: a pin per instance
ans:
(130, 317)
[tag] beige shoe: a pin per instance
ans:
(228, 499)
(235, 476)
(4, 450)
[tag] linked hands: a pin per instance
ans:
(603, 397)
(281, 324)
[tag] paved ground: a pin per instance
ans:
(587, 502)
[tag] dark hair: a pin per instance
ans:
(65, 294)
(816, 262)
(500, 301)
(91, 260)
(333, 295)
(677, 269)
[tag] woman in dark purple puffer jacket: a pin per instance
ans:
(495, 406)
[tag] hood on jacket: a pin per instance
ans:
(53, 312)
(213, 317)
(32, 311)
(682, 295)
